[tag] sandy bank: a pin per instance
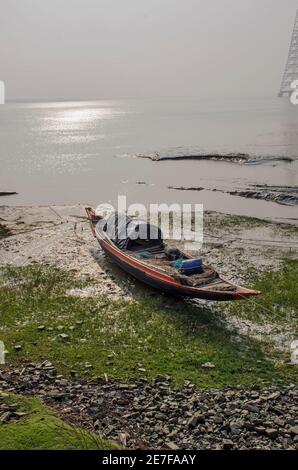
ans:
(60, 236)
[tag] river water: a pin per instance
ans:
(86, 152)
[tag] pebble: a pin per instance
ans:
(171, 446)
(208, 365)
(294, 430)
(64, 336)
(260, 429)
(228, 444)
(5, 417)
(272, 433)
(195, 419)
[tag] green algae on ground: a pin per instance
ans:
(40, 429)
(279, 300)
(4, 232)
(125, 339)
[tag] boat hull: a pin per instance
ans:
(164, 286)
(159, 280)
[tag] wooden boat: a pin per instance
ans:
(157, 271)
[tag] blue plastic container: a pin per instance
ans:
(192, 266)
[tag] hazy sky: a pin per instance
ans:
(94, 49)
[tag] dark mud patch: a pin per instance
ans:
(185, 153)
(285, 195)
(182, 188)
(8, 193)
(178, 155)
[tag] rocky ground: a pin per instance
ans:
(155, 415)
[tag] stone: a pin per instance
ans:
(196, 419)
(5, 417)
(20, 414)
(208, 365)
(252, 408)
(260, 429)
(123, 439)
(171, 446)
(18, 347)
(227, 444)
(273, 396)
(271, 432)
(64, 336)
(294, 430)
(41, 328)
(56, 395)
(280, 422)
(162, 378)
(218, 419)
(235, 428)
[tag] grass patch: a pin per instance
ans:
(279, 302)
(146, 337)
(4, 232)
(217, 221)
(41, 429)
(276, 310)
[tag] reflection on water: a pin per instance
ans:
(77, 119)
(69, 152)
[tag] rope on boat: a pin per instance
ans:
(81, 239)
(252, 300)
(55, 212)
